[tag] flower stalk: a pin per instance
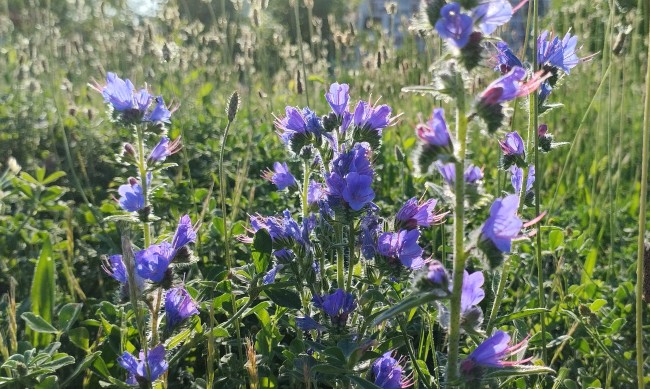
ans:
(459, 250)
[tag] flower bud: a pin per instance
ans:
(233, 106)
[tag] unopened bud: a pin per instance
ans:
(129, 150)
(233, 106)
(299, 83)
(132, 181)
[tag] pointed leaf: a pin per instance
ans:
(38, 324)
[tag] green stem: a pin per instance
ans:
(142, 167)
(459, 251)
(498, 297)
(351, 261)
(340, 257)
(305, 189)
(642, 227)
(532, 129)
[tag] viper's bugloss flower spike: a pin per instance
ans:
(178, 306)
(502, 226)
(119, 93)
(160, 112)
(401, 246)
(454, 26)
(416, 214)
(557, 53)
(185, 233)
(387, 373)
(337, 305)
(280, 176)
(472, 291)
(350, 181)
(131, 196)
(510, 86)
(492, 354)
(513, 151)
(164, 149)
(137, 369)
(233, 106)
(338, 97)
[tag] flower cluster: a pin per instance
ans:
(492, 354)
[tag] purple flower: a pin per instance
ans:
(513, 144)
(285, 228)
(280, 176)
(454, 25)
(558, 53)
(492, 14)
(472, 291)
(351, 178)
(387, 373)
(402, 246)
(370, 228)
(358, 190)
(518, 176)
(503, 225)
(185, 233)
(159, 113)
(491, 353)
(293, 123)
(119, 93)
(114, 267)
(131, 196)
(338, 97)
(315, 192)
(506, 59)
(269, 277)
(544, 91)
(434, 131)
(153, 262)
(137, 369)
(337, 305)
(414, 214)
(178, 306)
(164, 149)
(307, 324)
(371, 118)
(438, 274)
(472, 175)
(510, 86)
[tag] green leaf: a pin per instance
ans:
(519, 315)
(42, 294)
(523, 370)
(58, 362)
(50, 382)
(262, 249)
(413, 301)
(284, 297)
(590, 264)
(597, 304)
(90, 358)
(38, 324)
(53, 177)
(555, 239)
(68, 315)
(80, 337)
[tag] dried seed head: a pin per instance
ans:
(233, 106)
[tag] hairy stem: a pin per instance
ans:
(459, 250)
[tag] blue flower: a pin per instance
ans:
(337, 305)
(491, 354)
(315, 192)
(114, 267)
(131, 196)
(434, 131)
(472, 175)
(269, 277)
(517, 178)
(414, 214)
(371, 118)
(513, 145)
(178, 306)
(358, 190)
(280, 176)
(558, 53)
(387, 373)
(185, 233)
(338, 97)
(472, 291)
(492, 14)
(153, 262)
(351, 178)
(503, 225)
(402, 246)
(438, 274)
(307, 324)
(164, 149)
(137, 369)
(159, 113)
(506, 59)
(284, 229)
(119, 93)
(454, 25)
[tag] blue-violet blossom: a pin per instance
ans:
(387, 373)
(402, 246)
(137, 369)
(280, 176)
(178, 306)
